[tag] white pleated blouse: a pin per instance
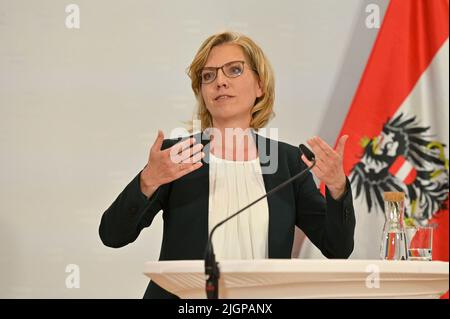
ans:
(232, 186)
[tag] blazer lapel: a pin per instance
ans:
(200, 201)
(269, 161)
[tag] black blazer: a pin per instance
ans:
(328, 223)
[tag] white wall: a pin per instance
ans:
(80, 108)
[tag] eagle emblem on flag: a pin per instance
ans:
(404, 157)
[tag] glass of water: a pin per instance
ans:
(419, 242)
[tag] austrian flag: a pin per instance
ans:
(403, 101)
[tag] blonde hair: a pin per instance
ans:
(262, 111)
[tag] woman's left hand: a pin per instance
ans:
(329, 167)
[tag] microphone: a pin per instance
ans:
(212, 271)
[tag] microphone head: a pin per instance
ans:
(308, 154)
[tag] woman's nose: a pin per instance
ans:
(221, 79)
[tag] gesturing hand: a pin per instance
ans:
(329, 167)
(165, 166)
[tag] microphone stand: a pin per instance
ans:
(212, 270)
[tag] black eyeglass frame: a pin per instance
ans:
(216, 70)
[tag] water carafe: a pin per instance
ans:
(393, 242)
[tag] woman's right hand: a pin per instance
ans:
(165, 166)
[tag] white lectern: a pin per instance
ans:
(305, 278)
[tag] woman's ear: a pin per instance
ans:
(260, 91)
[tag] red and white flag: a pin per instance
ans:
(398, 125)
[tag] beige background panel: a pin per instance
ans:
(81, 107)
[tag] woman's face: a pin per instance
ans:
(230, 99)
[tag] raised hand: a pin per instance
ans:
(329, 167)
(165, 166)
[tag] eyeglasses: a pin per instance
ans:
(231, 69)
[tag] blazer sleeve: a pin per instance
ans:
(328, 223)
(132, 211)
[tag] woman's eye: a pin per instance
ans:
(206, 76)
(235, 70)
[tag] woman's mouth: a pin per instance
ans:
(223, 97)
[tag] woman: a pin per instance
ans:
(196, 185)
